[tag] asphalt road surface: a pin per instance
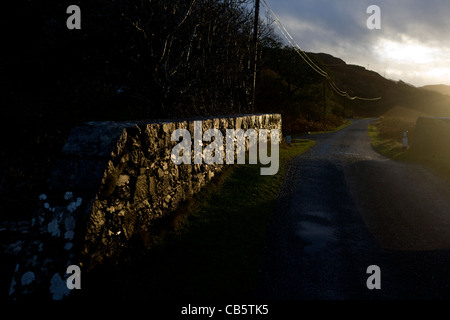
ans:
(343, 208)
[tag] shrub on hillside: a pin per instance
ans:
(302, 125)
(393, 128)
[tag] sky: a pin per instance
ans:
(412, 44)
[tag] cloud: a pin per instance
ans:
(414, 34)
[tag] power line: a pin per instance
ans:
(293, 43)
(308, 61)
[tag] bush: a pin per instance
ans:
(302, 125)
(393, 128)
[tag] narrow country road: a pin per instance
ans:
(343, 208)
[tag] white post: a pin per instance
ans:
(405, 139)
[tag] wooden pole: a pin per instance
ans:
(255, 48)
(343, 111)
(324, 99)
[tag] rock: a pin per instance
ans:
(123, 180)
(141, 189)
(152, 186)
(160, 173)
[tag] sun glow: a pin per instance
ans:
(408, 51)
(413, 61)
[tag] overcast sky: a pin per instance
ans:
(413, 43)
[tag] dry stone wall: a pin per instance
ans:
(113, 182)
(431, 137)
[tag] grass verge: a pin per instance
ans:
(393, 149)
(386, 146)
(216, 251)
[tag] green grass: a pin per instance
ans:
(394, 150)
(216, 251)
(388, 147)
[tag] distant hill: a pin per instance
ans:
(441, 88)
(359, 81)
(289, 85)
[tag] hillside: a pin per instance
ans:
(360, 81)
(404, 114)
(296, 80)
(441, 88)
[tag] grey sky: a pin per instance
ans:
(413, 43)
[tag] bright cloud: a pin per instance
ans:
(407, 51)
(413, 44)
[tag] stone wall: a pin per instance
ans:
(431, 137)
(111, 185)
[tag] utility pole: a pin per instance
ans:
(255, 48)
(324, 99)
(343, 112)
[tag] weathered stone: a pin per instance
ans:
(127, 180)
(141, 191)
(111, 176)
(95, 139)
(168, 127)
(238, 123)
(152, 186)
(160, 173)
(174, 172)
(123, 180)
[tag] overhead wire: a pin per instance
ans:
(292, 41)
(308, 60)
